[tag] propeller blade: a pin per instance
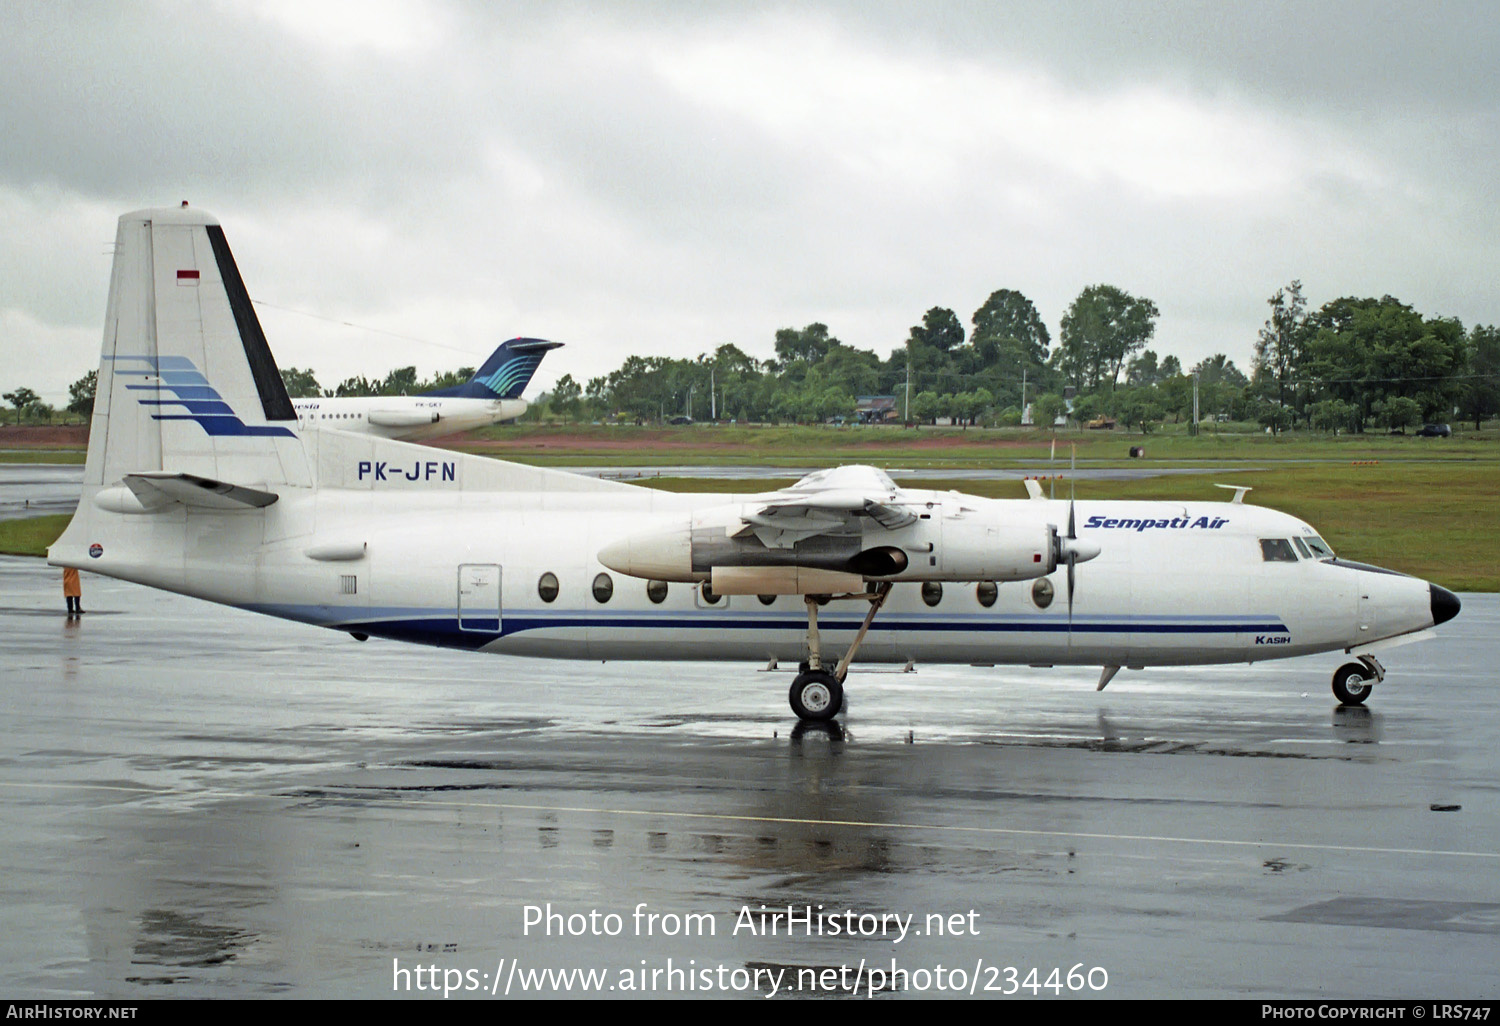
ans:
(1072, 560)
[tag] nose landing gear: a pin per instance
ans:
(1353, 682)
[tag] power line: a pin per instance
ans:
(1362, 381)
(362, 327)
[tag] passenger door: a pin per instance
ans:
(479, 597)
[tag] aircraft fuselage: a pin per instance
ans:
(411, 418)
(1175, 583)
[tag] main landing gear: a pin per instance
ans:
(1353, 682)
(818, 694)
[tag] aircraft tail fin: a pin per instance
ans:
(506, 373)
(191, 418)
(187, 383)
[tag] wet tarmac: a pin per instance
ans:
(200, 802)
(38, 489)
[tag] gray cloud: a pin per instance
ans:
(664, 177)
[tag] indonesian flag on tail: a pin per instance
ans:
(187, 277)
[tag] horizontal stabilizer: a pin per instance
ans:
(196, 492)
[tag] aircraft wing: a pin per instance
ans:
(829, 502)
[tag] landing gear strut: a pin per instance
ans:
(1353, 682)
(816, 693)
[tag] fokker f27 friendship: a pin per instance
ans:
(201, 480)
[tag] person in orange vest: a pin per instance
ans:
(72, 591)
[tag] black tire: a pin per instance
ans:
(1352, 683)
(816, 695)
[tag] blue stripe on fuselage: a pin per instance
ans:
(440, 627)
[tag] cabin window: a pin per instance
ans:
(1301, 548)
(1277, 550)
(604, 587)
(707, 593)
(767, 600)
(987, 592)
(1042, 593)
(932, 592)
(1320, 549)
(656, 591)
(546, 587)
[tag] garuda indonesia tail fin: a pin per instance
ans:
(506, 373)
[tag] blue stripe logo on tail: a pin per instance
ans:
(190, 391)
(513, 374)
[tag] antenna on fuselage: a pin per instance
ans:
(1239, 491)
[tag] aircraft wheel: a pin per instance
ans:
(1352, 684)
(816, 696)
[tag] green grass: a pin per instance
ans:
(1427, 507)
(31, 536)
(42, 456)
(723, 445)
(726, 445)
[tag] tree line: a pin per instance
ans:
(1350, 365)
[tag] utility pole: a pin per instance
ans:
(1023, 393)
(713, 397)
(1195, 404)
(906, 419)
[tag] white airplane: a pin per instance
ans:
(492, 395)
(200, 480)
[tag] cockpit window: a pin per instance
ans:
(1277, 550)
(1301, 548)
(1320, 548)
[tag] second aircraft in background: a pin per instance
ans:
(491, 396)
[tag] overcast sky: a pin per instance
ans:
(662, 178)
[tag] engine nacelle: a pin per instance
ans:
(979, 547)
(963, 545)
(402, 418)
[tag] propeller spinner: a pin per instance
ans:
(1071, 550)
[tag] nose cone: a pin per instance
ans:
(1445, 604)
